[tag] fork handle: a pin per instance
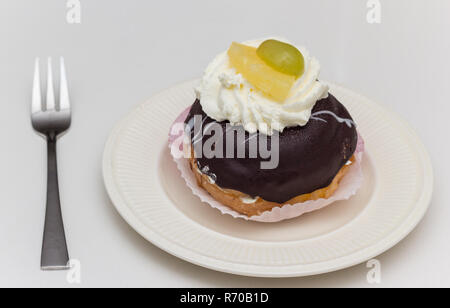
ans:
(54, 248)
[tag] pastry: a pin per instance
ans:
(268, 94)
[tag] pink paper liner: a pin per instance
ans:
(348, 186)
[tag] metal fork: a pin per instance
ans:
(51, 120)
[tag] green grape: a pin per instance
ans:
(282, 57)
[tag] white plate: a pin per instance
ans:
(148, 191)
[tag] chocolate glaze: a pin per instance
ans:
(309, 157)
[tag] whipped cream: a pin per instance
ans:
(226, 95)
(249, 200)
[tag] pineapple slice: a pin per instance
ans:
(263, 77)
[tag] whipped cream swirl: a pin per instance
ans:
(226, 95)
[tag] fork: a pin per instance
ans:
(51, 120)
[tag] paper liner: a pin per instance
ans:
(348, 186)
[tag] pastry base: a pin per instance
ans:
(232, 198)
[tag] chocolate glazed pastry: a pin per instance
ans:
(309, 157)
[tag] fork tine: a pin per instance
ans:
(50, 93)
(64, 102)
(36, 102)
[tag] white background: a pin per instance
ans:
(123, 52)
